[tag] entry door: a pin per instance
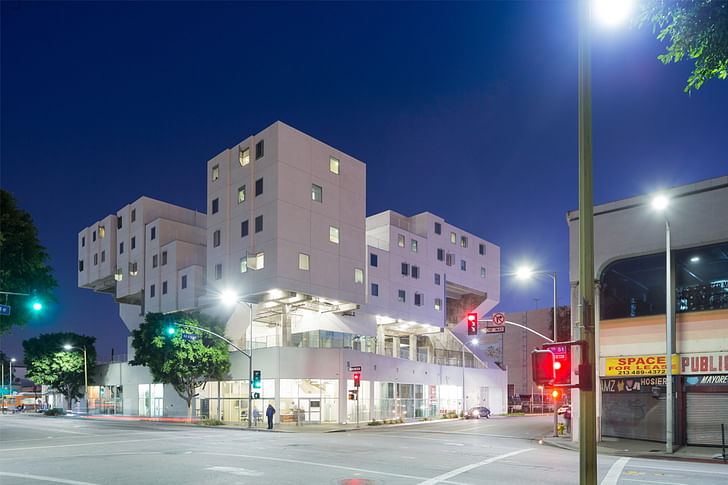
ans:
(312, 410)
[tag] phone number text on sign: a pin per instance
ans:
(640, 366)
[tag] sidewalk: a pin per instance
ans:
(643, 449)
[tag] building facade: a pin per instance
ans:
(631, 300)
(321, 289)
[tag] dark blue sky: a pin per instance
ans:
(467, 110)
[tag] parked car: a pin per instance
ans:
(563, 408)
(478, 412)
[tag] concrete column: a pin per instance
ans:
(413, 347)
(343, 389)
(395, 347)
(285, 327)
(380, 340)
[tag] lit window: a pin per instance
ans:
(256, 261)
(462, 265)
(244, 264)
(184, 282)
(118, 275)
(438, 228)
(153, 234)
(259, 149)
(405, 269)
(152, 289)
(164, 287)
(482, 272)
(438, 304)
(133, 242)
(415, 272)
(218, 271)
(334, 234)
(400, 240)
(121, 247)
(375, 289)
(419, 298)
(133, 269)
(258, 224)
(334, 165)
(358, 276)
(164, 258)
(102, 232)
(481, 249)
(316, 193)
(453, 238)
(216, 238)
(215, 172)
(133, 215)
(259, 186)
(413, 245)
(463, 242)
(155, 261)
(437, 278)
(96, 259)
(373, 259)
(215, 205)
(241, 194)
(303, 261)
(244, 228)
(440, 254)
(103, 256)
(400, 295)
(244, 157)
(80, 265)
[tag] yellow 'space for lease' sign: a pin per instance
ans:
(644, 365)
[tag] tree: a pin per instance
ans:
(48, 363)
(23, 263)
(186, 365)
(698, 29)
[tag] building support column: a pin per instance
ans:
(395, 347)
(285, 327)
(413, 347)
(380, 339)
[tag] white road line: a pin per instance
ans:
(95, 443)
(653, 481)
(243, 472)
(687, 470)
(615, 471)
(45, 479)
(465, 468)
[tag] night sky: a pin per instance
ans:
(466, 110)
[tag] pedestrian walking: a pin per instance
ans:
(269, 414)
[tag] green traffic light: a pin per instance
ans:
(37, 306)
(170, 330)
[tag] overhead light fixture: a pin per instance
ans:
(694, 259)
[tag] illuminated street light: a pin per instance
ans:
(612, 12)
(660, 202)
(228, 298)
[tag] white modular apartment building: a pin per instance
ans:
(331, 289)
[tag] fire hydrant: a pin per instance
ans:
(560, 428)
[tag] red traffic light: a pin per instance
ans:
(472, 323)
(542, 366)
(556, 394)
(357, 379)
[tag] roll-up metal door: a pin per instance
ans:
(705, 413)
(638, 416)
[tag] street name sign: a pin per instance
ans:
(495, 329)
(355, 368)
(4, 309)
(191, 337)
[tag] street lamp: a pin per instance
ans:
(660, 203)
(230, 298)
(11, 375)
(85, 370)
(526, 273)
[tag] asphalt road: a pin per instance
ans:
(37, 450)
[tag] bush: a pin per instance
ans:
(374, 422)
(54, 412)
(212, 422)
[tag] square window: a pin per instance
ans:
(438, 304)
(215, 205)
(218, 271)
(164, 258)
(96, 259)
(405, 269)
(462, 265)
(303, 260)
(155, 260)
(133, 242)
(133, 269)
(334, 234)
(83, 241)
(215, 172)
(375, 289)
(401, 295)
(481, 249)
(103, 256)
(80, 265)
(216, 238)
(334, 165)
(259, 149)
(244, 228)
(440, 254)
(358, 276)
(259, 186)
(437, 278)
(316, 193)
(453, 238)
(463, 242)
(244, 157)
(121, 247)
(153, 234)
(438, 228)
(258, 224)
(152, 289)
(373, 259)
(119, 275)
(418, 299)
(450, 259)
(415, 272)
(413, 245)
(241, 194)
(118, 222)
(133, 215)
(184, 282)
(482, 272)
(244, 264)
(400, 240)
(164, 287)
(256, 261)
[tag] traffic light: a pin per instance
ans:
(36, 305)
(352, 396)
(256, 379)
(557, 394)
(357, 379)
(171, 330)
(562, 363)
(542, 367)
(472, 324)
